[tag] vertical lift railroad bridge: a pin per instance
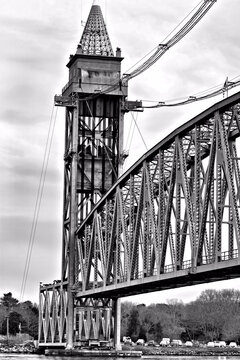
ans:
(172, 220)
(92, 161)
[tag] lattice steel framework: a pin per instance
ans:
(95, 39)
(53, 303)
(91, 167)
(93, 319)
(173, 218)
(91, 160)
(93, 154)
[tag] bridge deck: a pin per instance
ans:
(228, 269)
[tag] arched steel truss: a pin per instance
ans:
(173, 218)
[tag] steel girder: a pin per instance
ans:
(173, 218)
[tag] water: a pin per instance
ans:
(150, 357)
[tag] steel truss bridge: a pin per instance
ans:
(171, 220)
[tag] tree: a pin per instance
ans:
(126, 308)
(213, 315)
(133, 324)
(208, 315)
(195, 327)
(158, 332)
(147, 320)
(171, 319)
(231, 329)
(29, 313)
(15, 319)
(150, 323)
(15, 316)
(3, 316)
(8, 301)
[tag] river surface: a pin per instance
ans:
(150, 357)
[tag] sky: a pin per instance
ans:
(36, 39)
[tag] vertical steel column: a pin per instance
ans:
(117, 324)
(73, 226)
(161, 206)
(120, 140)
(218, 237)
(197, 197)
(178, 215)
(117, 303)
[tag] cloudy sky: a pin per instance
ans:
(36, 39)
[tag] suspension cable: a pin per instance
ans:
(206, 94)
(164, 46)
(130, 135)
(139, 131)
(38, 200)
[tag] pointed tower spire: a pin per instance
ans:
(95, 39)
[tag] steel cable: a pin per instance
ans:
(38, 201)
(169, 103)
(161, 48)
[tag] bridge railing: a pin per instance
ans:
(170, 268)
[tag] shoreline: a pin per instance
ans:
(184, 351)
(146, 351)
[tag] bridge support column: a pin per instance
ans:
(117, 324)
(72, 232)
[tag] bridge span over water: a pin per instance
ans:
(173, 219)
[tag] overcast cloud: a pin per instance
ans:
(36, 39)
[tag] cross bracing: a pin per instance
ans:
(174, 214)
(172, 220)
(93, 318)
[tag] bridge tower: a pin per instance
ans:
(94, 100)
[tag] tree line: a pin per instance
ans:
(18, 317)
(214, 315)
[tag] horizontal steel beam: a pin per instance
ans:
(202, 274)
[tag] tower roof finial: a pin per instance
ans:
(95, 39)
